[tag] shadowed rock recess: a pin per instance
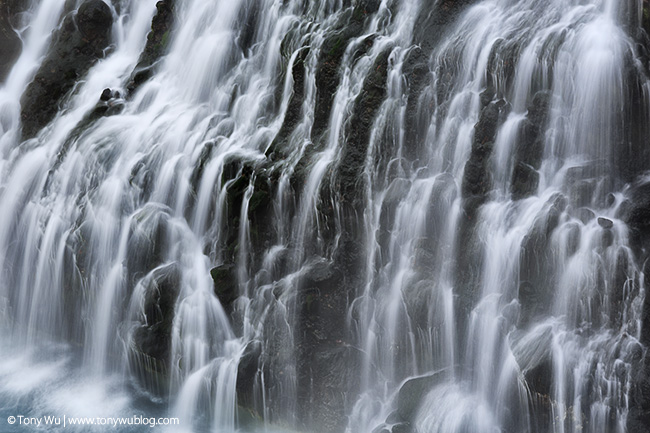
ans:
(359, 216)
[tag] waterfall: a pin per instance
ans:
(360, 216)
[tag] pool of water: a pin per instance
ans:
(48, 390)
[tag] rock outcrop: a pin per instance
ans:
(82, 39)
(158, 40)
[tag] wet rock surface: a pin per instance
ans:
(412, 393)
(529, 152)
(535, 261)
(637, 217)
(475, 187)
(225, 284)
(328, 74)
(158, 40)
(162, 288)
(81, 40)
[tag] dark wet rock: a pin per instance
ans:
(77, 44)
(524, 181)
(605, 223)
(502, 64)
(477, 180)
(403, 427)
(540, 377)
(534, 356)
(417, 115)
(326, 289)
(632, 151)
(73, 285)
(485, 130)
(199, 166)
(247, 373)
(10, 43)
(536, 261)
(638, 419)
(623, 286)
(260, 204)
(435, 19)
(293, 114)
(640, 404)
(396, 191)
(329, 62)
(468, 263)
(365, 8)
(148, 240)
(106, 95)
(637, 217)
(476, 185)
(394, 418)
(153, 337)
(327, 79)
(573, 239)
(359, 129)
(94, 19)
(323, 374)
(225, 284)
(531, 299)
(412, 393)
(149, 353)
(530, 148)
(157, 44)
(110, 103)
(582, 192)
(584, 214)
(322, 276)
(159, 37)
(645, 17)
(238, 175)
(623, 210)
(326, 383)
(249, 16)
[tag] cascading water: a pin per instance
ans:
(424, 216)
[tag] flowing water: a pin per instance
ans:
(510, 309)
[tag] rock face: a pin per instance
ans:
(77, 44)
(327, 75)
(476, 185)
(10, 44)
(154, 338)
(535, 278)
(225, 284)
(359, 130)
(529, 152)
(435, 18)
(324, 358)
(417, 114)
(412, 393)
(324, 354)
(638, 219)
(157, 43)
